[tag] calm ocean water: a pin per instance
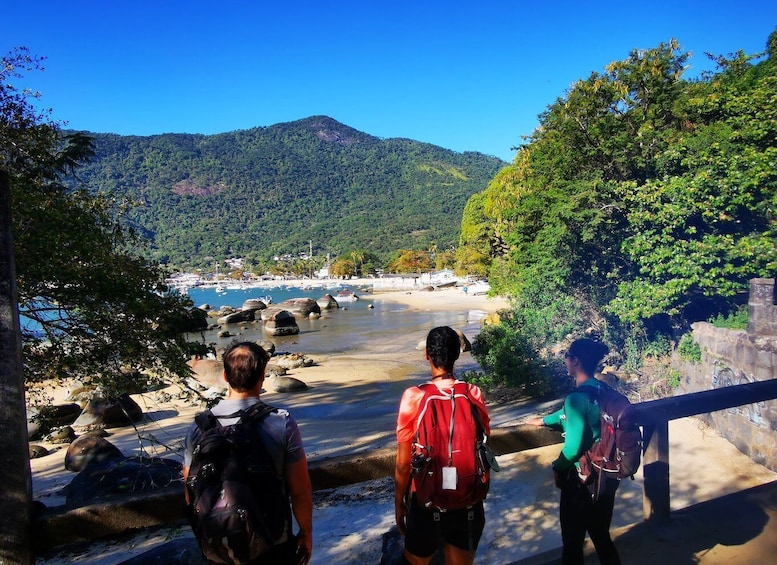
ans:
(352, 328)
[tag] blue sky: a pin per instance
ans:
(466, 75)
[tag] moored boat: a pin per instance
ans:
(346, 296)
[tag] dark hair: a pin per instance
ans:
(244, 364)
(443, 347)
(589, 352)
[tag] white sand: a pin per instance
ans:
(351, 403)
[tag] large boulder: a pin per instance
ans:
(253, 304)
(90, 448)
(292, 361)
(37, 451)
(285, 384)
(269, 312)
(81, 394)
(328, 302)
(103, 412)
(41, 420)
(121, 476)
(208, 372)
(267, 345)
(64, 434)
(238, 317)
(275, 371)
(301, 306)
(281, 322)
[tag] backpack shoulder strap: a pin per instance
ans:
(464, 388)
(206, 421)
(256, 412)
(251, 417)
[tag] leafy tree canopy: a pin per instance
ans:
(641, 193)
(409, 261)
(92, 307)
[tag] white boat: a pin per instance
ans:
(346, 296)
(477, 288)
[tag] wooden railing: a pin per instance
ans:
(654, 417)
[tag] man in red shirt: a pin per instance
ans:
(457, 531)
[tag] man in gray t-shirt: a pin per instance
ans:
(244, 366)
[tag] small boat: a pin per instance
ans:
(346, 296)
(477, 288)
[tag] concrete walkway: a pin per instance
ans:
(736, 528)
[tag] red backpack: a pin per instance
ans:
(618, 452)
(449, 434)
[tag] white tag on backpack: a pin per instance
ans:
(449, 478)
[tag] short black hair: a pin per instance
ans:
(443, 347)
(244, 365)
(589, 352)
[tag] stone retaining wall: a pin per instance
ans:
(731, 357)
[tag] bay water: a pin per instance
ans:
(364, 325)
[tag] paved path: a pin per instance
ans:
(736, 528)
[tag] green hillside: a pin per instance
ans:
(271, 190)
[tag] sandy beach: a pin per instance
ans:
(350, 404)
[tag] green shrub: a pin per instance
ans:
(673, 379)
(689, 349)
(633, 348)
(736, 320)
(659, 346)
(479, 378)
(507, 358)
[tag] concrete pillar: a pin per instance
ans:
(762, 309)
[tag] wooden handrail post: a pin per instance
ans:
(655, 469)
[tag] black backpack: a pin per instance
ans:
(238, 507)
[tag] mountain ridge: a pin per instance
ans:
(274, 189)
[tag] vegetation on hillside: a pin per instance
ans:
(642, 203)
(273, 190)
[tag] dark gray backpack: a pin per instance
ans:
(238, 507)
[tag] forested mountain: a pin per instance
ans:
(271, 190)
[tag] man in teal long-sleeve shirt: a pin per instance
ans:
(579, 419)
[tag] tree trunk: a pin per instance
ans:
(15, 476)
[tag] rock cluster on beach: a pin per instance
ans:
(276, 319)
(101, 468)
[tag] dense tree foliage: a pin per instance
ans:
(270, 191)
(91, 306)
(643, 202)
(409, 261)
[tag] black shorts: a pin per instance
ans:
(459, 528)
